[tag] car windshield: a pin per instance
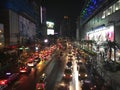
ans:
(68, 71)
(69, 64)
(82, 69)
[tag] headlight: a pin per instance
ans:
(70, 75)
(64, 75)
(79, 75)
(85, 75)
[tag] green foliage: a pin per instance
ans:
(90, 52)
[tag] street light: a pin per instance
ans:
(46, 40)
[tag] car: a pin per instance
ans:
(67, 74)
(88, 85)
(24, 69)
(40, 85)
(61, 86)
(69, 65)
(61, 53)
(37, 60)
(31, 63)
(70, 58)
(3, 82)
(43, 77)
(79, 63)
(70, 54)
(82, 73)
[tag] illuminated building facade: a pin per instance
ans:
(100, 21)
(98, 16)
(19, 19)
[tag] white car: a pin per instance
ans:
(31, 64)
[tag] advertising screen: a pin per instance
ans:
(50, 31)
(26, 27)
(50, 24)
(101, 34)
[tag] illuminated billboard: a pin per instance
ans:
(26, 27)
(50, 31)
(50, 24)
(102, 34)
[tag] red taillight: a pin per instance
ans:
(3, 82)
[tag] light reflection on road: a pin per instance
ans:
(75, 84)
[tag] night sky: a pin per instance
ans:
(57, 9)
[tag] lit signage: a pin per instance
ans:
(101, 34)
(50, 31)
(50, 24)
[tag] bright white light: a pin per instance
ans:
(0, 43)
(50, 31)
(46, 40)
(116, 8)
(50, 24)
(36, 48)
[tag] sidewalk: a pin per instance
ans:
(112, 78)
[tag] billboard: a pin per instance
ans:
(50, 24)
(50, 31)
(26, 27)
(102, 34)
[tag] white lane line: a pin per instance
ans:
(77, 83)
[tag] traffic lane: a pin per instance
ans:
(28, 81)
(25, 82)
(75, 82)
(55, 75)
(49, 68)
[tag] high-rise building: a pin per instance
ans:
(99, 21)
(19, 20)
(43, 15)
(43, 30)
(65, 27)
(102, 16)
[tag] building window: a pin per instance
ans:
(113, 7)
(109, 11)
(103, 15)
(117, 5)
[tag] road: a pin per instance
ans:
(28, 81)
(54, 70)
